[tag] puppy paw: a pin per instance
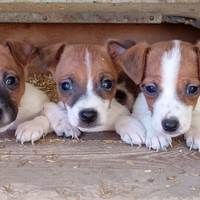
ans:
(63, 128)
(130, 130)
(192, 140)
(33, 130)
(59, 122)
(157, 141)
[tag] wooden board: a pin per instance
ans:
(105, 167)
(44, 34)
(188, 9)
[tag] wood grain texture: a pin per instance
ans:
(57, 168)
(44, 34)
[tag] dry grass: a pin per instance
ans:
(46, 84)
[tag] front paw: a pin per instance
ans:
(130, 130)
(193, 139)
(33, 130)
(63, 128)
(157, 141)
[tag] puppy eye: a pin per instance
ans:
(66, 86)
(11, 81)
(192, 90)
(107, 84)
(150, 89)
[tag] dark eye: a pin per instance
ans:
(192, 90)
(150, 89)
(66, 86)
(11, 81)
(107, 84)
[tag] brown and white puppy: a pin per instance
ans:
(19, 101)
(86, 79)
(169, 105)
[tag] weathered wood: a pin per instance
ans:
(43, 34)
(180, 9)
(57, 168)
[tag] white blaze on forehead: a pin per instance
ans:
(89, 100)
(170, 69)
(88, 65)
(168, 104)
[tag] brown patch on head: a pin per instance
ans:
(14, 57)
(189, 73)
(77, 64)
(9, 67)
(152, 74)
(144, 67)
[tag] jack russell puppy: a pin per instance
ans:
(19, 101)
(91, 99)
(169, 77)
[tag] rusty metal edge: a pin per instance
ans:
(80, 17)
(181, 20)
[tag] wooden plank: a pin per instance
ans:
(181, 9)
(43, 34)
(93, 169)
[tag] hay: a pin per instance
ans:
(45, 84)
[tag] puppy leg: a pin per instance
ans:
(154, 139)
(33, 130)
(130, 130)
(59, 122)
(192, 136)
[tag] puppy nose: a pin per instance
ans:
(88, 115)
(170, 124)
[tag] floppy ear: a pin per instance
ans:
(50, 55)
(23, 52)
(133, 61)
(117, 47)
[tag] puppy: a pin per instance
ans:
(86, 79)
(169, 77)
(19, 101)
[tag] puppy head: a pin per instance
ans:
(169, 76)
(14, 57)
(86, 79)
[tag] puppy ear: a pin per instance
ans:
(50, 55)
(117, 47)
(133, 61)
(197, 50)
(23, 52)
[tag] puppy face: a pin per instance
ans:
(12, 79)
(86, 79)
(86, 83)
(168, 73)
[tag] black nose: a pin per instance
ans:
(170, 124)
(88, 115)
